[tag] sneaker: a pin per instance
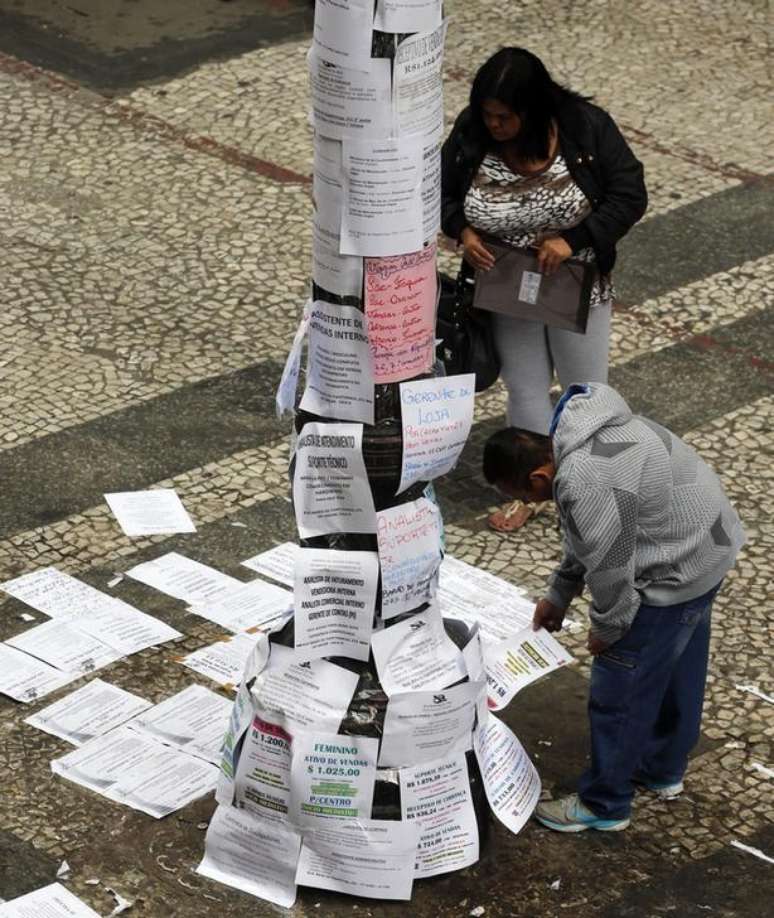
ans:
(570, 815)
(662, 789)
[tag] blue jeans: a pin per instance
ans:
(645, 703)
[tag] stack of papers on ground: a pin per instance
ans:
(89, 630)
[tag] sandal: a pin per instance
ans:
(513, 516)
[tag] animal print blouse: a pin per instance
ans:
(519, 209)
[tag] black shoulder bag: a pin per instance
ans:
(466, 336)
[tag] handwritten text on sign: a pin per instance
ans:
(437, 417)
(400, 297)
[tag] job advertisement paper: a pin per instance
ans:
(383, 197)
(400, 299)
(54, 901)
(520, 660)
(242, 714)
(350, 103)
(56, 594)
(371, 857)
(222, 661)
(334, 599)
(183, 578)
(340, 377)
(193, 720)
(92, 710)
(339, 274)
(417, 655)
(437, 797)
(248, 853)
(511, 781)
(407, 15)
(262, 783)
(409, 539)
(328, 189)
(422, 726)
(124, 628)
(417, 84)
(146, 513)
(310, 695)
(62, 644)
(277, 563)
(342, 31)
(133, 769)
(330, 486)
(437, 415)
(26, 679)
(332, 776)
(246, 605)
(285, 399)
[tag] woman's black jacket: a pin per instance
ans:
(599, 159)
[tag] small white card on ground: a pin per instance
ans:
(146, 513)
(258, 857)
(90, 711)
(183, 578)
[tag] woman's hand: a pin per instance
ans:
(551, 253)
(474, 251)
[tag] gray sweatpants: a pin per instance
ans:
(530, 352)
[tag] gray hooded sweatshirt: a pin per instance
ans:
(644, 519)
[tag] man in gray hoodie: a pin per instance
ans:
(648, 530)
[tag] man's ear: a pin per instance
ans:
(543, 474)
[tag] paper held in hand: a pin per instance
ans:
(516, 287)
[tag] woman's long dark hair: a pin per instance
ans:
(519, 80)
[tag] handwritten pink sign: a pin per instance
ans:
(400, 299)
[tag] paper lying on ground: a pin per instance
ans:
(92, 710)
(246, 605)
(332, 776)
(472, 595)
(340, 376)
(371, 857)
(258, 857)
(64, 645)
(754, 690)
(183, 578)
(301, 696)
(285, 398)
(54, 901)
(145, 513)
(26, 679)
(132, 768)
(422, 726)
(756, 852)
(519, 661)
(334, 599)
(510, 779)
(194, 720)
(124, 628)
(222, 661)
(417, 654)
(436, 416)
(277, 563)
(761, 769)
(262, 781)
(437, 797)
(409, 539)
(331, 492)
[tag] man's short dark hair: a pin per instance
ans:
(512, 454)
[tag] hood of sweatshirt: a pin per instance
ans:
(581, 412)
